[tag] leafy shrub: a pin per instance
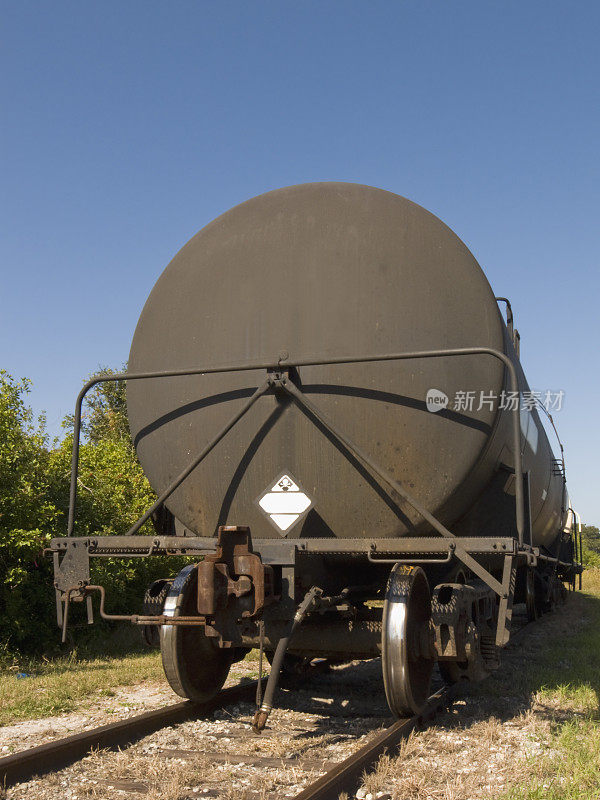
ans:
(34, 500)
(28, 518)
(590, 536)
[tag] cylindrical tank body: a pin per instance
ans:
(321, 271)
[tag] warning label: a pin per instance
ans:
(285, 503)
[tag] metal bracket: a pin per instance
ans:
(74, 567)
(234, 572)
(480, 571)
(71, 578)
(509, 575)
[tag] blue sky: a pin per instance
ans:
(127, 126)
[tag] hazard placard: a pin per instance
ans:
(284, 503)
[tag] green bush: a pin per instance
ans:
(28, 518)
(591, 559)
(590, 536)
(34, 499)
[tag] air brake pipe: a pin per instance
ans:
(262, 714)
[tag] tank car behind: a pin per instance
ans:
(332, 411)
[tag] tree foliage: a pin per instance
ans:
(105, 415)
(34, 500)
(591, 545)
(28, 515)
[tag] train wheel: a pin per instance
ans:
(532, 596)
(154, 600)
(558, 594)
(407, 646)
(563, 594)
(194, 666)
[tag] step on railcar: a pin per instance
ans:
(329, 404)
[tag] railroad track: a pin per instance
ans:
(344, 776)
(21, 766)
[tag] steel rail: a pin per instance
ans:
(345, 776)
(52, 756)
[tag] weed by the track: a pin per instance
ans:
(530, 732)
(570, 695)
(39, 688)
(32, 688)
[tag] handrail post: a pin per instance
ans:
(75, 452)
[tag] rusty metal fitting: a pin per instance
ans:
(260, 719)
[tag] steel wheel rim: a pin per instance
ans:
(407, 609)
(194, 666)
(531, 600)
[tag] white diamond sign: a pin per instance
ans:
(285, 503)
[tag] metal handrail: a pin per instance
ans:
(509, 316)
(371, 557)
(283, 362)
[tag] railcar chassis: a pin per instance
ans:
(220, 606)
(322, 597)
